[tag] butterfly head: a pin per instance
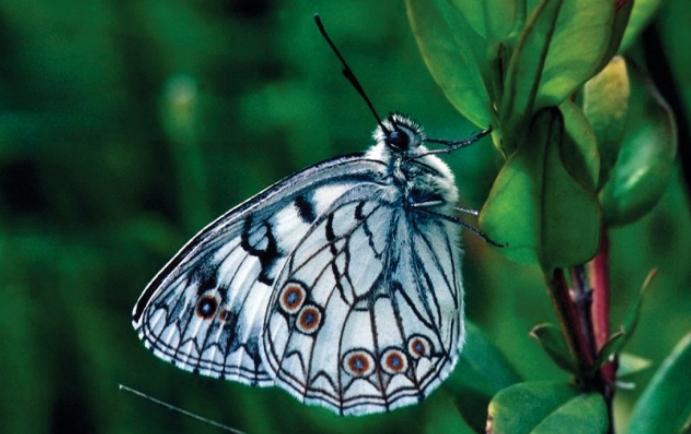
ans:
(399, 133)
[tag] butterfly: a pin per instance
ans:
(340, 284)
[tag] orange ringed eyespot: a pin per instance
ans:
(292, 297)
(394, 361)
(419, 346)
(358, 363)
(309, 319)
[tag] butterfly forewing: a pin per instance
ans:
(204, 311)
(365, 315)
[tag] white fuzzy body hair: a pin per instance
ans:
(410, 167)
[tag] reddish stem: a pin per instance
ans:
(581, 295)
(570, 320)
(584, 324)
(599, 311)
(599, 277)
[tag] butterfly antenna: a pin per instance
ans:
(348, 73)
(184, 412)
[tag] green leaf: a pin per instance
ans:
(641, 15)
(580, 152)
(579, 44)
(606, 104)
(611, 347)
(585, 414)
(492, 19)
(482, 371)
(524, 71)
(621, 20)
(645, 160)
(634, 312)
(552, 341)
(546, 407)
(570, 220)
(618, 340)
(664, 406)
(630, 364)
(441, 416)
(451, 58)
(536, 207)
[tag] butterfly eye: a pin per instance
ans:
(207, 306)
(358, 363)
(394, 361)
(309, 319)
(398, 139)
(419, 346)
(292, 297)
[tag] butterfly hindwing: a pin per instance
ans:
(365, 315)
(204, 311)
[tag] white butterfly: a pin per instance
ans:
(340, 284)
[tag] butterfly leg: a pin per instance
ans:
(470, 211)
(427, 204)
(433, 203)
(458, 221)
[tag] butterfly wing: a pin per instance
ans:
(366, 314)
(204, 311)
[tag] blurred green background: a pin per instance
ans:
(126, 125)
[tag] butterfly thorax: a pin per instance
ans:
(420, 178)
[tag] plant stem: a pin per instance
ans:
(570, 321)
(584, 319)
(582, 296)
(599, 274)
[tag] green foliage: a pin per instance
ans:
(606, 105)
(637, 137)
(525, 69)
(443, 418)
(493, 20)
(611, 347)
(532, 202)
(450, 58)
(544, 407)
(549, 337)
(644, 158)
(624, 118)
(581, 156)
(619, 339)
(481, 372)
(642, 13)
(584, 151)
(630, 364)
(665, 405)
(576, 49)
